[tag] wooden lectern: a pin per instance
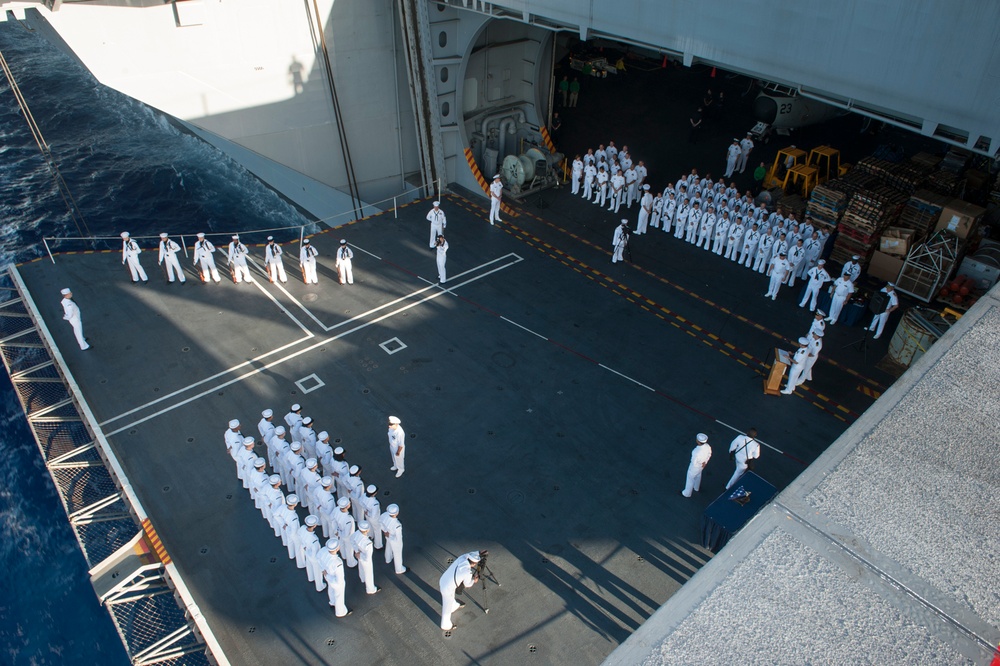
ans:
(782, 359)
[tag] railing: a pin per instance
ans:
(152, 609)
(247, 236)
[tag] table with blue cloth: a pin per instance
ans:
(724, 517)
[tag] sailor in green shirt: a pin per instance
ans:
(758, 178)
(564, 89)
(574, 89)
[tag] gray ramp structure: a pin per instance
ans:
(883, 551)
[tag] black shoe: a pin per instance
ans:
(460, 602)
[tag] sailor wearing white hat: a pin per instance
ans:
(345, 530)
(204, 256)
(798, 366)
(397, 446)
(817, 278)
(325, 506)
(258, 481)
(71, 313)
(345, 263)
(290, 525)
(308, 482)
(363, 550)
(130, 255)
(892, 302)
(442, 258)
(272, 500)
(244, 461)
(168, 254)
(645, 209)
(333, 572)
(741, 449)
(340, 470)
(277, 447)
(746, 145)
(265, 426)
(460, 573)
(237, 259)
(815, 347)
(496, 192)
(818, 324)
(307, 548)
(438, 222)
(700, 455)
(294, 464)
(392, 530)
(619, 242)
(778, 272)
(307, 259)
(843, 287)
(853, 268)
(234, 438)
(308, 437)
(324, 452)
(732, 155)
(273, 261)
(356, 491)
(293, 419)
(373, 514)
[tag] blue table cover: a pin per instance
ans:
(724, 517)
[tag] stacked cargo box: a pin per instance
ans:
(922, 211)
(825, 207)
(868, 213)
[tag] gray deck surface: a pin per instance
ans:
(542, 445)
(883, 552)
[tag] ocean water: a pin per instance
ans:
(128, 168)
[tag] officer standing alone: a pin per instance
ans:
(438, 222)
(71, 313)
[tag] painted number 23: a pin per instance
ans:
(785, 108)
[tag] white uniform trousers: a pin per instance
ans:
(208, 268)
(136, 268)
(693, 482)
(334, 573)
(174, 267)
(241, 272)
(276, 270)
(394, 553)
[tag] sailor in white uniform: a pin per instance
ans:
(817, 278)
(589, 178)
(326, 506)
(617, 192)
(392, 530)
(345, 263)
(324, 452)
(265, 426)
(363, 550)
(340, 470)
(619, 241)
(290, 525)
(796, 372)
(397, 446)
(244, 461)
(843, 287)
(333, 572)
(258, 481)
(878, 321)
(460, 573)
(815, 347)
(345, 530)
(71, 313)
(778, 272)
(308, 482)
(732, 156)
(277, 446)
(496, 193)
(130, 255)
(355, 491)
(373, 514)
(234, 438)
(273, 261)
(293, 419)
(721, 233)
(307, 259)
(576, 175)
(744, 448)
(272, 499)
(168, 254)
(645, 210)
(852, 268)
(204, 257)
(237, 258)
(746, 145)
(307, 547)
(700, 455)
(442, 259)
(438, 222)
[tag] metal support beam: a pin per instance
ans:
(423, 87)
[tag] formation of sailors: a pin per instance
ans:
(237, 256)
(307, 472)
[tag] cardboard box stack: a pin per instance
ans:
(922, 212)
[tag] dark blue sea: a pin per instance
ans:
(129, 168)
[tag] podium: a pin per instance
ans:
(782, 359)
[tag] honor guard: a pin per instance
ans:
(442, 258)
(742, 449)
(397, 446)
(130, 256)
(272, 260)
(307, 259)
(237, 258)
(204, 258)
(168, 255)
(700, 455)
(344, 263)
